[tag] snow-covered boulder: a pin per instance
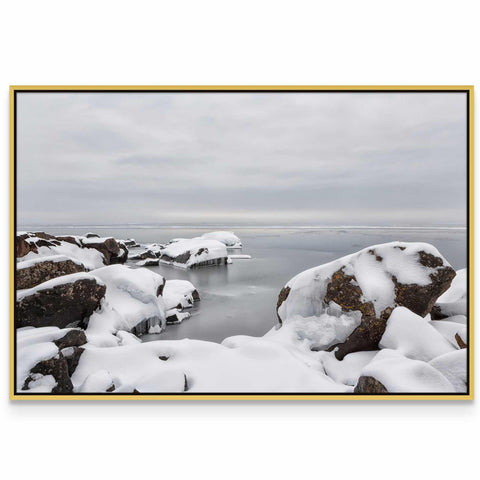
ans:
(30, 246)
(227, 238)
(367, 286)
(113, 252)
(453, 366)
(63, 301)
(413, 336)
(93, 252)
(454, 300)
(454, 332)
(195, 252)
(132, 303)
(47, 358)
(38, 270)
(179, 294)
(391, 372)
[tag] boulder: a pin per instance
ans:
(112, 252)
(32, 273)
(370, 283)
(73, 338)
(61, 304)
(22, 247)
(369, 385)
(58, 368)
(195, 252)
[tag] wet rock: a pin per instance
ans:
(369, 385)
(67, 304)
(40, 272)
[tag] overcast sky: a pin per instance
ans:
(241, 158)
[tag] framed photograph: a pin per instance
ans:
(234, 242)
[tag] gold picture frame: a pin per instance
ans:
(247, 396)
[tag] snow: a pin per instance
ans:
(130, 299)
(348, 370)
(449, 329)
(178, 292)
(399, 259)
(210, 250)
(413, 336)
(164, 380)
(41, 383)
(33, 346)
(402, 375)
(235, 257)
(89, 257)
(52, 258)
(94, 240)
(320, 332)
(457, 290)
(256, 366)
(453, 366)
(55, 282)
(454, 300)
(227, 238)
(96, 382)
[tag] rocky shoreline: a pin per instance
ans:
(390, 318)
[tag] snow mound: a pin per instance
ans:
(402, 375)
(227, 238)
(413, 336)
(453, 366)
(195, 252)
(131, 303)
(179, 294)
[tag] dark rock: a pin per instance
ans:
(73, 338)
(460, 342)
(58, 368)
(144, 255)
(69, 239)
(365, 337)
(344, 290)
(284, 292)
(68, 304)
(22, 247)
(436, 313)
(369, 385)
(91, 235)
(195, 296)
(161, 287)
(110, 249)
(42, 271)
(150, 262)
(72, 355)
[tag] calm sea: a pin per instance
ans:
(240, 298)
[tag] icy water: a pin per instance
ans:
(240, 298)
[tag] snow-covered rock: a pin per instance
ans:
(453, 366)
(368, 284)
(399, 374)
(38, 270)
(179, 294)
(413, 336)
(454, 332)
(227, 238)
(63, 301)
(133, 303)
(454, 300)
(195, 252)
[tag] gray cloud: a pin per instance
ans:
(307, 158)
